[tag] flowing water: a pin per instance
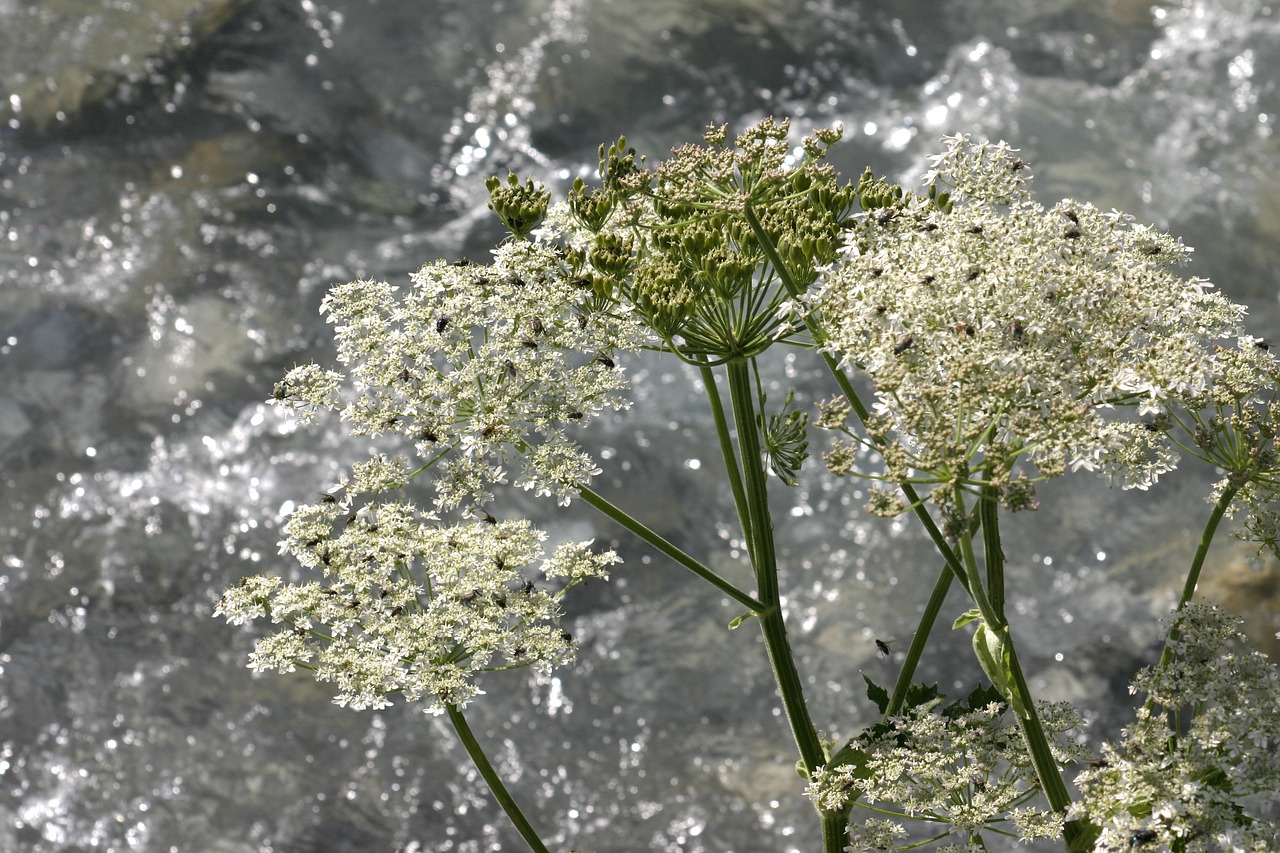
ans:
(179, 183)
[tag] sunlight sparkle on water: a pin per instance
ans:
(899, 138)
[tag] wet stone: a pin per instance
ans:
(61, 56)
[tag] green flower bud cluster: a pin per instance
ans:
(520, 207)
(677, 243)
(620, 168)
(805, 237)
(612, 254)
(785, 439)
(662, 293)
(591, 207)
(874, 193)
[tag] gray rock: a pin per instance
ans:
(63, 55)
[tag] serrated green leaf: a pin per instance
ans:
(922, 695)
(876, 693)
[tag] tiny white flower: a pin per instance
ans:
(1003, 336)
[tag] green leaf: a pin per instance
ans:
(738, 620)
(876, 693)
(920, 695)
(982, 696)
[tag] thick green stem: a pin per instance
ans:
(1055, 790)
(634, 525)
(760, 546)
(991, 603)
(993, 554)
(835, 831)
(493, 780)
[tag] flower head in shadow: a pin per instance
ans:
(1198, 770)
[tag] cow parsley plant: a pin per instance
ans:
(1001, 342)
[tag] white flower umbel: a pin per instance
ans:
(968, 771)
(1001, 335)
(483, 367)
(1199, 770)
(1233, 426)
(479, 369)
(409, 606)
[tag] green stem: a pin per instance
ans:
(835, 831)
(493, 780)
(750, 496)
(977, 592)
(726, 446)
(764, 561)
(1193, 574)
(760, 545)
(990, 602)
(1055, 790)
(637, 527)
(993, 554)
(931, 612)
(1206, 538)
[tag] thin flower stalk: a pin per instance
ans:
(664, 546)
(494, 782)
(1220, 509)
(732, 470)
